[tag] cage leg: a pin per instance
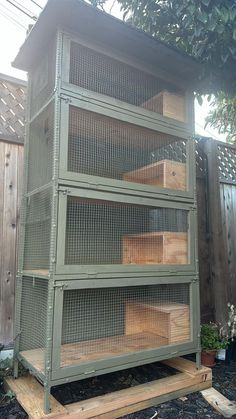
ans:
(198, 360)
(15, 367)
(47, 407)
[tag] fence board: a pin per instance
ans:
(206, 291)
(228, 211)
(11, 173)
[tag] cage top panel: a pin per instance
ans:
(84, 20)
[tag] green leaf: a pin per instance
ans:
(220, 29)
(199, 99)
(203, 17)
(224, 15)
(234, 34)
(206, 2)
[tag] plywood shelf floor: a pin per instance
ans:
(79, 352)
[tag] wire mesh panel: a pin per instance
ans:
(43, 79)
(227, 163)
(33, 319)
(103, 74)
(104, 232)
(40, 157)
(103, 323)
(106, 147)
(37, 231)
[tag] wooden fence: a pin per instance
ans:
(11, 169)
(216, 195)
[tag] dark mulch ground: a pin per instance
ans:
(195, 407)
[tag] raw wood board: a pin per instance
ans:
(220, 403)
(114, 405)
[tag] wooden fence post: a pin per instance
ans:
(218, 249)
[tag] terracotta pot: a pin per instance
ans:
(208, 358)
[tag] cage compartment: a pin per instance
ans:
(102, 232)
(103, 74)
(103, 326)
(108, 322)
(102, 146)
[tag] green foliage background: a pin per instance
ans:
(206, 30)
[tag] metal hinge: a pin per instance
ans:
(65, 99)
(61, 285)
(195, 279)
(64, 191)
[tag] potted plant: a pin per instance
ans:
(211, 342)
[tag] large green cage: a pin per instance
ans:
(107, 270)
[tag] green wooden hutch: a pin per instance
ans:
(107, 272)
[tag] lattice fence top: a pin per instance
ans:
(201, 159)
(227, 163)
(12, 108)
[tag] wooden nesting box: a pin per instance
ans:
(167, 104)
(155, 247)
(171, 321)
(165, 174)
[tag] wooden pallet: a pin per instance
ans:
(29, 394)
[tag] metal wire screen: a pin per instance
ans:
(37, 231)
(43, 79)
(41, 149)
(103, 232)
(103, 74)
(227, 163)
(33, 320)
(103, 323)
(103, 146)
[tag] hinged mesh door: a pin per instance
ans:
(40, 157)
(105, 232)
(33, 320)
(102, 74)
(43, 79)
(37, 231)
(106, 147)
(103, 323)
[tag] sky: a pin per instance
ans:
(13, 26)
